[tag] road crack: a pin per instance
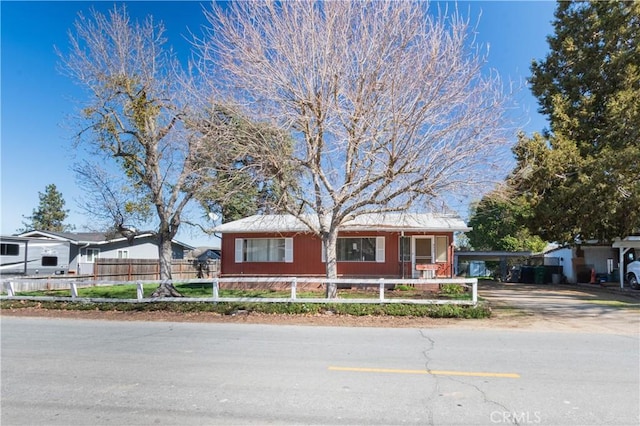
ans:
(436, 387)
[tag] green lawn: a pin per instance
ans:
(205, 290)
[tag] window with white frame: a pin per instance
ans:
(442, 246)
(123, 254)
(92, 254)
(264, 250)
(358, 249)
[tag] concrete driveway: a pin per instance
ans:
(577, 307)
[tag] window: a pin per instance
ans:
(92, 255)
(442, 244)
(9, 249)
(123, 254)
(368, 249)
(49, 260)
(356, 250)
(264, 250)
(405, 249)
(423, 252)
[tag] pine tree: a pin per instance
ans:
(582, 177)
(50, 214)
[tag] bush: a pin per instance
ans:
(224, 308)
(452, 289)
(403, 287)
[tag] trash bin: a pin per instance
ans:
(555, 278)
(538, 273)
(526, 275)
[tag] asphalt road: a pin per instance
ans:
(80, 372)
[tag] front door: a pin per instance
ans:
(422, 253)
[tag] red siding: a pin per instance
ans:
(307, 257)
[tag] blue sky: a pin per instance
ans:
(37, 101)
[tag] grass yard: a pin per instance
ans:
(205, 290)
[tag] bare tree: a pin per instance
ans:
(134, 118)
(388, 105)
(111, 202)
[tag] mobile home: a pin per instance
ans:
(33, 256)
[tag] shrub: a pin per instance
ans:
(403, 287)
(452, 289)
(225, 308)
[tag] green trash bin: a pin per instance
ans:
(538, 273)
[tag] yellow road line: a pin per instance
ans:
(426, 372)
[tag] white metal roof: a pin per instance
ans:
(81, 238)
(632, 241)
(366, 222)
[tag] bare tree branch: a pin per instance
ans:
(135, 110)
(388, 105)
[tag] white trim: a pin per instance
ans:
(446, 249)
(95, 254)
(380, 249)
(414, 238)
(245, 249)
(239, 250)
(288, 250)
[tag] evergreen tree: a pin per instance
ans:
(582, 176)
(50, 214)
(496, 222)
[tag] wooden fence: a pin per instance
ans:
(149, 269)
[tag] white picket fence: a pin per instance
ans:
(13, 286)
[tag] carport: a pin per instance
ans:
(495, 256)
(626, 244)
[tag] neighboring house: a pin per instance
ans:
(371, 245)
(85, 247)
(206, 260)
(578, 261)
(204, 254)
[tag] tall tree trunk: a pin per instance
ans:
(166, 288)
(329, 239)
